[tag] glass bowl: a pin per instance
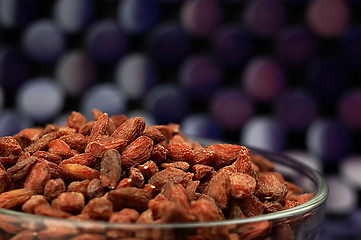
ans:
(301, 222)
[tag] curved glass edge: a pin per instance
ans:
(312, 205)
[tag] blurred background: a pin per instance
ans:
(283, 75)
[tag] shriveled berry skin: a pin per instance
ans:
(148, 169)
(130, 129)
(70, 202)
(76, 120)
(126, 215)
(269, 187)
(110, 168)
(205, 210)
(33, 202)
(137, 152)
(74, 171)
(53, 188)
(14, 198)
(242, 185)
(224, 154)
(99, 209)
(169, 174)
(60, 148)
(129, 197)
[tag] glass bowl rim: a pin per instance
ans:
(318, 199)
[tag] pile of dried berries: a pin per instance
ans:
(120, 170)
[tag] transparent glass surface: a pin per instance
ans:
(301, 222)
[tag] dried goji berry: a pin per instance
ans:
(33, 202)
(125, 182)
(95, 188)
(79, 186)
(155, 204)
(148, 169)
(76, 141)
(100, 128)
(191, 190)
(292, 188)
(71, 202)
(54, 170)
(33, 134)
(78, 172)
(290, 204)
(99, 209)
(137, 152)
(23, 141)
(272, 206)
(219, 189)
(42, 143)
(59, 147)
(146, 217)
(14, 198)
(174, 213)
(203, 156)
(100, 146)
(200, 171)
(150, 188)
(269, 187)
(169, 174)
(47, 210)
(242, 185)
(86, 159)
(234, 210)
(176, 193)
(129, 197)
(180, 152)
(251, 206)
(136, 176)
(159, 153)
(130, 129)
(65, 131)
(48, 156)
(53, 188)
(96, 114)
(110, 169)
(302, 198)
(178, 164)
(111, 126)
(126, 215)
(21, 168)
(180, 138)
(224, 154)
(76, 120)
(9, 146)
(51, 128)
(154, 134)
(37, 178)
(204, 210)
(243, 163)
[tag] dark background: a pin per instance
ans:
(284, 75)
